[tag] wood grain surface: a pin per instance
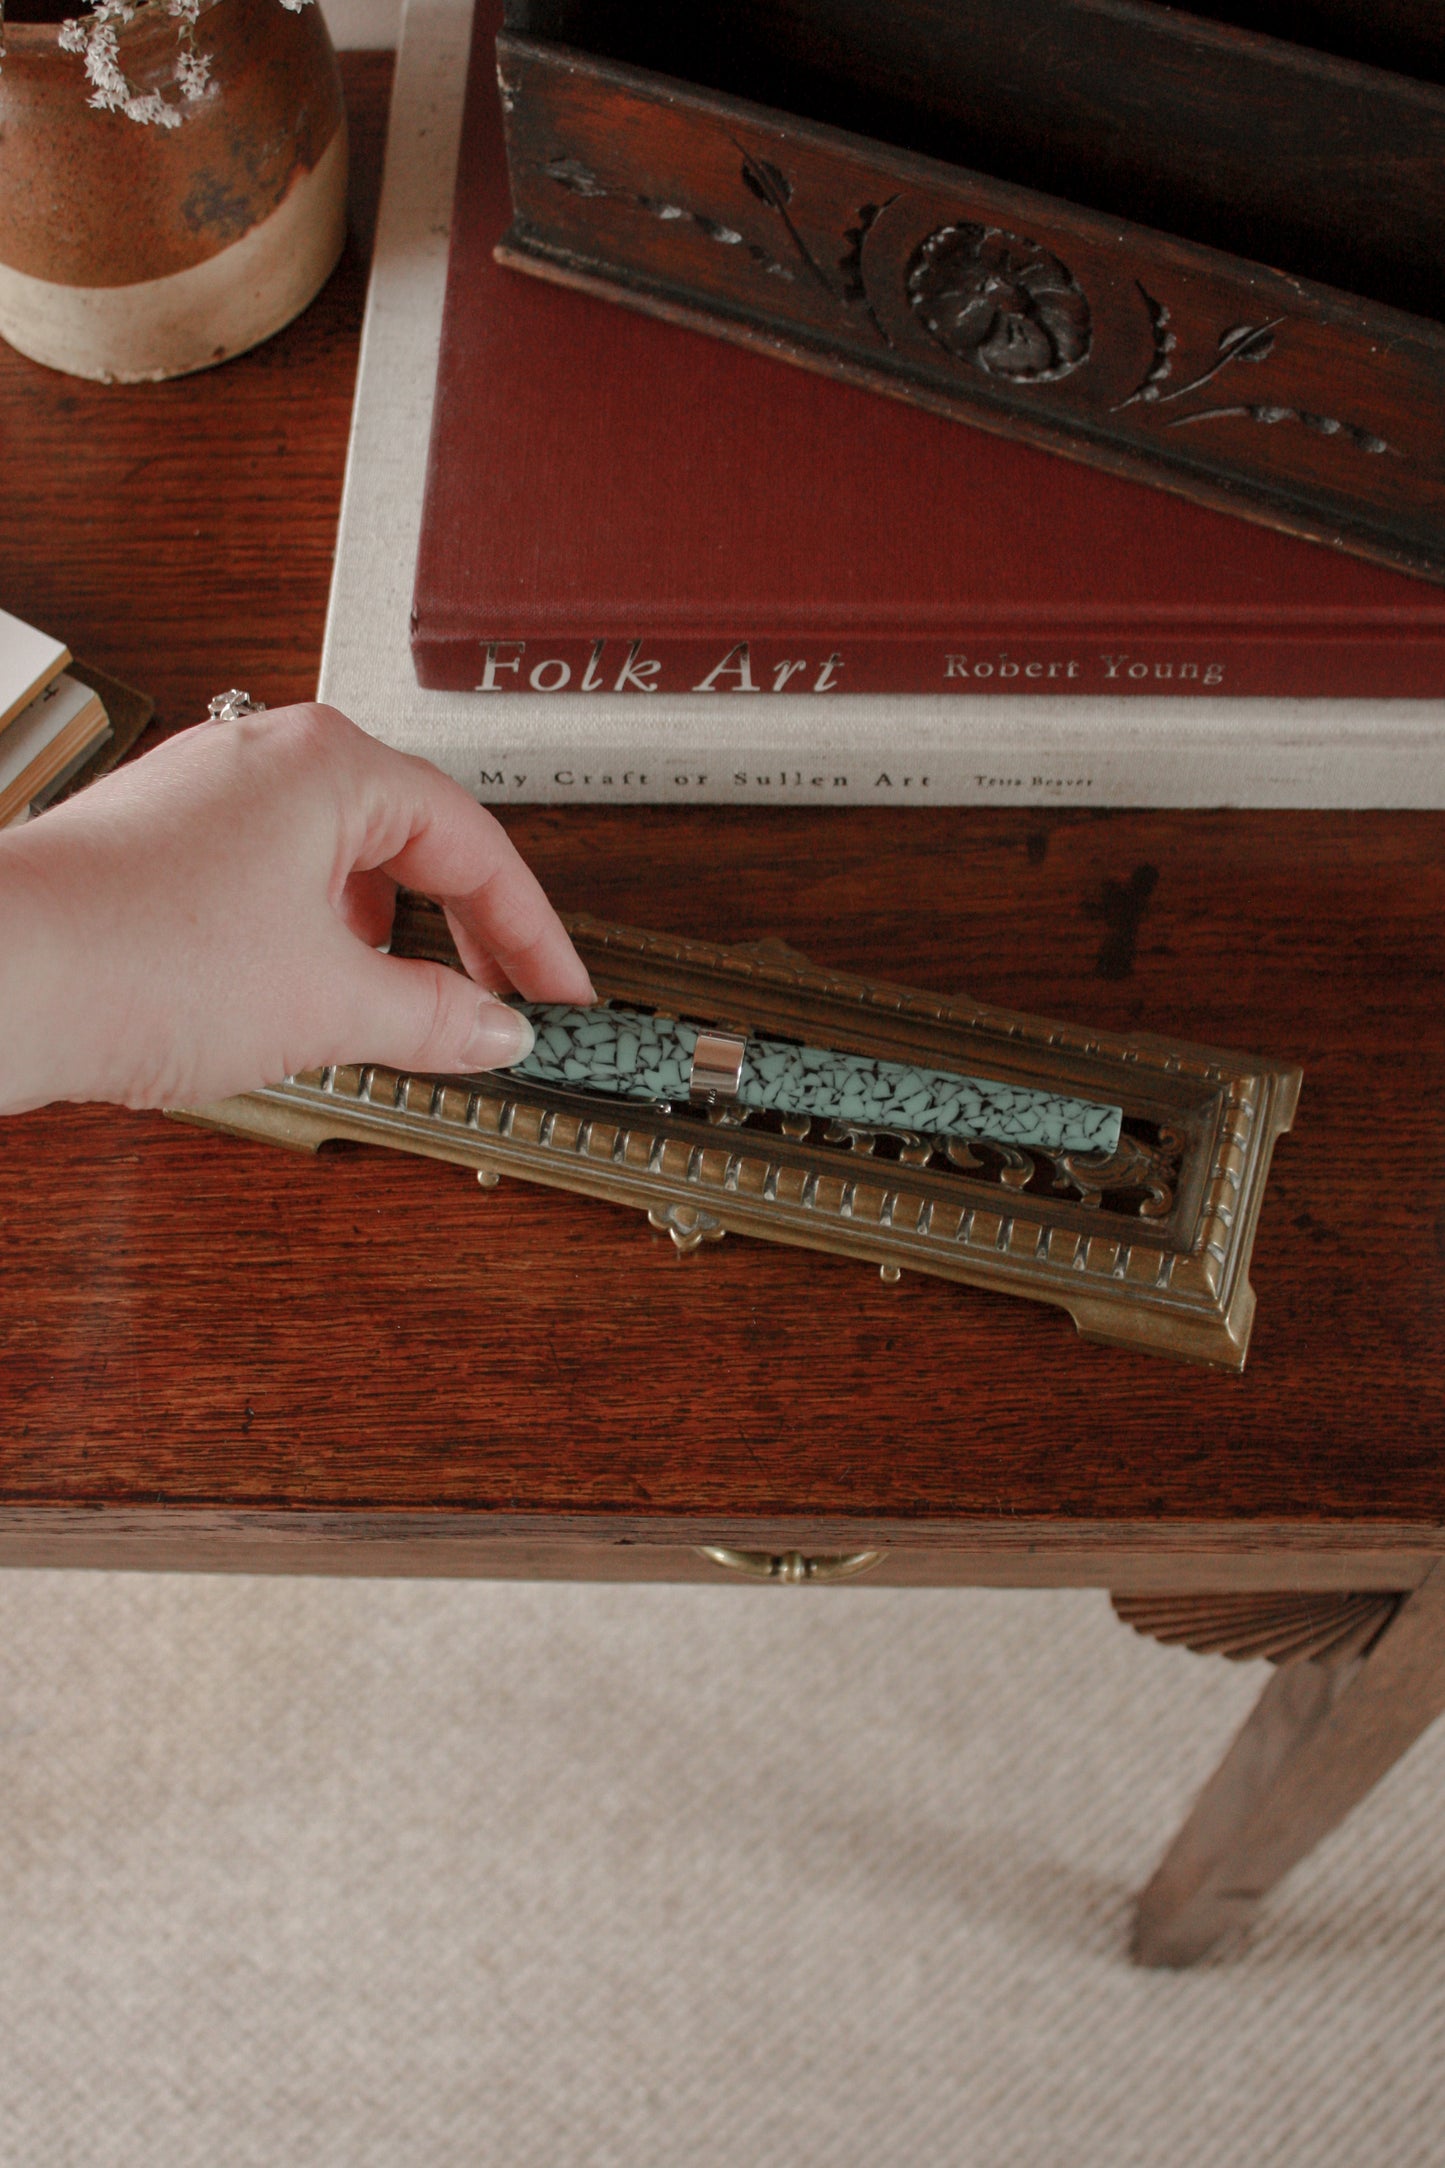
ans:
(192, 1322)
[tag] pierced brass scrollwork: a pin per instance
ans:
(1133, 1165)
(1139, 1176)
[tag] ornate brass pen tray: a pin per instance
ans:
(1146, 1246)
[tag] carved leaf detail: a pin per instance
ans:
(1322, 425)
(855, 287)
(570, 173)
(772, 187)
(1247, 342)
(579, 180)
(768, 182)
(1240, 342)
(1162, 361)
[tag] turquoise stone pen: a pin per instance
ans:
(647, 1057)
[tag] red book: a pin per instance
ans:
(618, 504)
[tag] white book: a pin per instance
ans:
(28, 661)
(53, 734)
(881, 749)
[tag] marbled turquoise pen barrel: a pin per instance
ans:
(646, 1057)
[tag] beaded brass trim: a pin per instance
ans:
(1148, 1248)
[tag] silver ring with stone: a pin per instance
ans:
(717, 1067)
(230, 707)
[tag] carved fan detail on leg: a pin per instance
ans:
(1289, 1628)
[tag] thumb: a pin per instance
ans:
(413, 1015)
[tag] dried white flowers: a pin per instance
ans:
(94, 36)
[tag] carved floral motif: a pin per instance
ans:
(997, 300)
(1001, 302)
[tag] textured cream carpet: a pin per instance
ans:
(302, 1873)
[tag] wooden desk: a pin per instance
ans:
(218, 1355)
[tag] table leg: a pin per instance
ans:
(1321, 1736)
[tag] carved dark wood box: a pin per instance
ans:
(1204, 249)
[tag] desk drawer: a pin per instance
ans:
(1122, 1557)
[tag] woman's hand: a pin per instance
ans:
(207, 919)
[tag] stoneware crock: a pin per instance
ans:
(130, 252)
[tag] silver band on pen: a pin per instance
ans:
(717, 1067)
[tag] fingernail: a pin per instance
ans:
(500, 1036)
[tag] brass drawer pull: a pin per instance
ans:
(789, 1565)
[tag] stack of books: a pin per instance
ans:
(655, 567)
(618, 507)
(56, 729)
